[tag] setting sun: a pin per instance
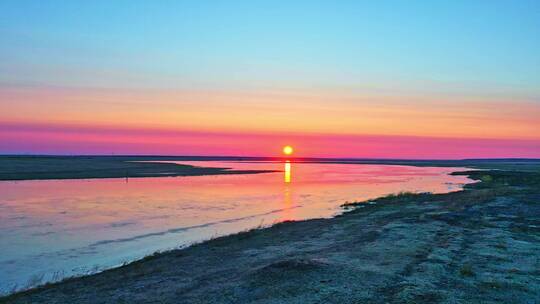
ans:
(287, 150)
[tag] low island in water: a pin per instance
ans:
(480, 244)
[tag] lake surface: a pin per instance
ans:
(57, 228)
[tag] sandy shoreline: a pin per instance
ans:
(472, 246)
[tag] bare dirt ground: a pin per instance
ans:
(480, 245)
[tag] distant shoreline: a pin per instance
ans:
(263, 158)
(18, 168)
(41, 167)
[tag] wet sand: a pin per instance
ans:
(480, 245)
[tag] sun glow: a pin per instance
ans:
(287, 150)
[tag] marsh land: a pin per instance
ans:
(478, 245)
(86, 167)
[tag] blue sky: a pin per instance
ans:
(418, 79)
(468, 47)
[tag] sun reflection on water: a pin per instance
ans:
(287, 195)
(287, 171)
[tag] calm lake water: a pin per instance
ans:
(57, 228)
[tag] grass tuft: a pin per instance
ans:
(466, 270)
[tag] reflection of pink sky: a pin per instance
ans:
(73, 223)
(69, 139)
(118, 200)
(164, 201)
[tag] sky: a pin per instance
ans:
(375, 79)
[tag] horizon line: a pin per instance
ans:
(271, 157)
